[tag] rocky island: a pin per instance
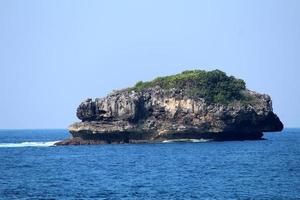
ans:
(192, 105)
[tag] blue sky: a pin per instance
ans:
(54, 54)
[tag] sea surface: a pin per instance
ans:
(31, 168)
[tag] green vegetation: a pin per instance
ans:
(214, 86)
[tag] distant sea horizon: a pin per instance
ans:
(67, 128)
(49, 136)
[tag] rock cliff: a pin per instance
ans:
(186, 108)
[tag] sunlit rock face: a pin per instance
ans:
(156, 114)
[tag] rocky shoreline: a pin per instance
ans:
(155, 114)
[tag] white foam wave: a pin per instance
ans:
(186, 140)
(28, 144)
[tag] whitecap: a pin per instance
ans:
(186, 140)
(28, 144)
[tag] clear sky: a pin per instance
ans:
(54, 54)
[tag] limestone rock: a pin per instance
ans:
(157, 114)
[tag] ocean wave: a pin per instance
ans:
(28, 144)
(186, 140)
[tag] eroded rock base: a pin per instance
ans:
(135, 138)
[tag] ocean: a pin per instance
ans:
(32, 168)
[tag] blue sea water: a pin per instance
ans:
(33, 169)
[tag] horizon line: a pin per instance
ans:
(67, 129)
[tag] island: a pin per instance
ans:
(192, 105)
